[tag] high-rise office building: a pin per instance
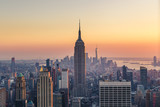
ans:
(79, 68)
(155, 99)
(60, 99)
(154, 60)
(143, 76)
(48, 63)
(52, 66)
(2, 97)
(96, 53)
(65, 97)
(95, 59)
(20, 90)
(124, 69)
(87, 62)
(148, 98)
(48, 66)
(57, 100)
(118, 75)
(64, 87)
(12, 64)
(64, 78)
(130, 78)
(44, 89)
(114, 94)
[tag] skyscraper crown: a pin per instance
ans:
(79, 34)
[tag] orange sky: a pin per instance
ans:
(41, 29)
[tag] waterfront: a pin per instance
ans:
(136, 63)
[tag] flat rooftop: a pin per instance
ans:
(114, 83)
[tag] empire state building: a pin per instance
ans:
(79, 67)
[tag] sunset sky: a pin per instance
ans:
(49, 28)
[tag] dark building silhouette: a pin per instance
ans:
(57, 100)
(13, 64)
(79, 67)
(95, 59)
(155, 61)
(48, 63)
(143, 76)
(124, 69)
(65, 97)
(96, 54)
(148, 98)
(20, 90)
(130, 78)
(118, 74)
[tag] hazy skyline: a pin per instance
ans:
(41, 29)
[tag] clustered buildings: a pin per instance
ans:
(79, 81)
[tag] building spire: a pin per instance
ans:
(79, 34)
(79, 25)
(96, 53)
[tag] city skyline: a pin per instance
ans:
(48, 29)
(84, 53)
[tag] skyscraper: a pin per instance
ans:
(95, 59)
(79, 67)
(64, 88)
(65, 97)
(2, 97)
(96, 54)
(20, 90)
(114, 94)
(44, 89)
(64, 79)
(148, 98)
(57, 100)
(48, 63)
(154, 60)
(48, 66)
(130, 78)
(118, 75)
(12, 64)
(124, 68)
(143, 76)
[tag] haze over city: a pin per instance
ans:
(41, 29)
(80, 53)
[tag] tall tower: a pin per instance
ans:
(96, 53)
(12, 64)
(64, 90)
(20, 90)
(143, 76)
(44, 89)
(124, 68)
(79, 67)
(154, 60)
(64, 79)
